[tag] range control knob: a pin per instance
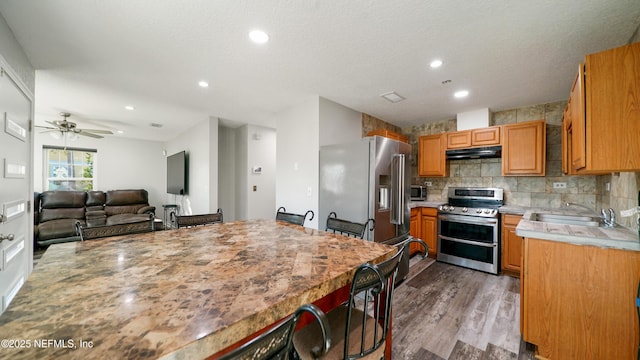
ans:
(451, 208)
(487, 211)
(464, 209)
(441, 207)
(478, 211)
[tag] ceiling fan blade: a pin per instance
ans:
(45, 127)
(52, 123)
(98, 131)
(82, 132)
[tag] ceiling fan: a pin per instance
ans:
(66, 127)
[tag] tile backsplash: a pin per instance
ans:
(588, 190)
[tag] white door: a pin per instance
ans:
(16, 223)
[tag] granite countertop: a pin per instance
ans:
(513, 210)
(185, 293)
(618, 237)
(430, 204)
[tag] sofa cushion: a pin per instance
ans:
(57, 229)
(126, 197)
(61, 213)
(62, 199)
(96, 198)
(127, 218)
(124, 209)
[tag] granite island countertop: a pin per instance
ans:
(185, 293)
(618, 237)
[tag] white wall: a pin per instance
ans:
(13, 54)
(201, 144)
(241, 178)
(338, 123)
(297, 158)
(227, 172)
(261, 145)
(121, 164)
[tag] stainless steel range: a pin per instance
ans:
(468, 228)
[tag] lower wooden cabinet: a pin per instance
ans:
(429, 229)
(415, 230)
(511, 245)
(578, 301)
(424, 225)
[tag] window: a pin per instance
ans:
(69, 169)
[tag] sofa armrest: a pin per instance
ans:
(147, 210)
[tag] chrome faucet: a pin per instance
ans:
(568, 204)
(609, 220)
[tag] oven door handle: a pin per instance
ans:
(475, 243)
(469, 219)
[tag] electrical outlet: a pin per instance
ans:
(559, 185)
(428, 183)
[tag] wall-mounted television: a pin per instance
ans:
(177, 170)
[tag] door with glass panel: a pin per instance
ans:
(16, 225)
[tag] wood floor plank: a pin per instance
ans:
(438, 309)
(463, 351)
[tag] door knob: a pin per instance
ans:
(6, 237)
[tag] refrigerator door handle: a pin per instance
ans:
(397, 189)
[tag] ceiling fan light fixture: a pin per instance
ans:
(56, 134)
(129, 107)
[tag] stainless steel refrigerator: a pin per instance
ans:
(368, 179)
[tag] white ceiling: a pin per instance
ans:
(94, 57)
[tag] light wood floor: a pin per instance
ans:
(443, 311)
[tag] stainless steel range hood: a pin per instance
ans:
(475, 153)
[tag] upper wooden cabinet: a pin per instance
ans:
(431, 156)
(476, 137)
(388, 134)
(524, 149)
(602, 125)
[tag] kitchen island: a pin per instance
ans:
(185, 293)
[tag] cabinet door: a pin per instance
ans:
(459, 139)
(429, 229)
(579, 300)
(414, 230)
(567, 168)
(486, 136)
(511, 245)
(578, 131)
(523, 148)
(612, 80)
(431, 156)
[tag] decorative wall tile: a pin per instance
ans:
(554, 112)
(491, 169)
(504, 117)
(532, 184)
(529, 113)
(544, 200)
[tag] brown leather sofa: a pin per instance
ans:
(57, 212)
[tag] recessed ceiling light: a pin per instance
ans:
(258, 36)
(120, 131)
(203, 84)
(436, 63)
(392, 96)
(129, 107)
(461, 94)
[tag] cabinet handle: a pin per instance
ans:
(6, 237)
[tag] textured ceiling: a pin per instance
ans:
(95, 57)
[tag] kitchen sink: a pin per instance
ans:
(582, 220)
